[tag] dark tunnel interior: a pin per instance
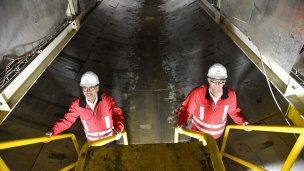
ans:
(148, 54)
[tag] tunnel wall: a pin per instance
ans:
(275, 27)
(148, 55)
(25, 24)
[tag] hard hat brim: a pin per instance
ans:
(87, 84)
(218, 76)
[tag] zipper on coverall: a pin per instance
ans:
(213, 114)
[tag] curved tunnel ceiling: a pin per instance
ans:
(148, 55)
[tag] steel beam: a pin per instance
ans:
(21, 83)
(14, 92)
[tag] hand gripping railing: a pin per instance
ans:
(85, 148)
(23, 142)
(283, 129)
(209, 143)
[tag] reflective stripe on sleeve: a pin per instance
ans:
(208, 125)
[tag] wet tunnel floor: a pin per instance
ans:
(149, 116)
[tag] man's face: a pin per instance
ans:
(90, 92)
(216, 84)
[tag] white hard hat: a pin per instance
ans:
(89, 79)
(217, 71)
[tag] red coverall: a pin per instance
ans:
(208, 117)
(98, 123)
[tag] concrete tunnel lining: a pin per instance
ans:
(143, 53)
(131, 66)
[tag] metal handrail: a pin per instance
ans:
(210, 143)
(80, 161)
(282, 129)
(3, 166)
(23, 142)
(243, 162)
(85, 148)
(69, 167)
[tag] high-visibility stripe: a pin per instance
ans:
(200, 129)
(105, 132)
(91, 133)
(201, 113)
(108, 135)
(97, 138)
(98, 133)
(209, 132)
(208, 125)
(225, 112)
(85, 125)
(107, 119)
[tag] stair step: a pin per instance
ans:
(170, 156)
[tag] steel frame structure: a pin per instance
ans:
(23, 73)
(284, 83)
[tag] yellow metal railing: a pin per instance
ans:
(81, 159)
(85, 148)
(294, 115)
(23, 142)
(282, 129)
(209, 143)
(3, 166)
(69, 167)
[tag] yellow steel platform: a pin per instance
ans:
(155, 157)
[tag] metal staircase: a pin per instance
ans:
(201, 155)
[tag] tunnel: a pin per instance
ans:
(148, 55)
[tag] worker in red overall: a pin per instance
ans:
(210, 104)
(97, 110)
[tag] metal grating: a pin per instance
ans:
(171, 156)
